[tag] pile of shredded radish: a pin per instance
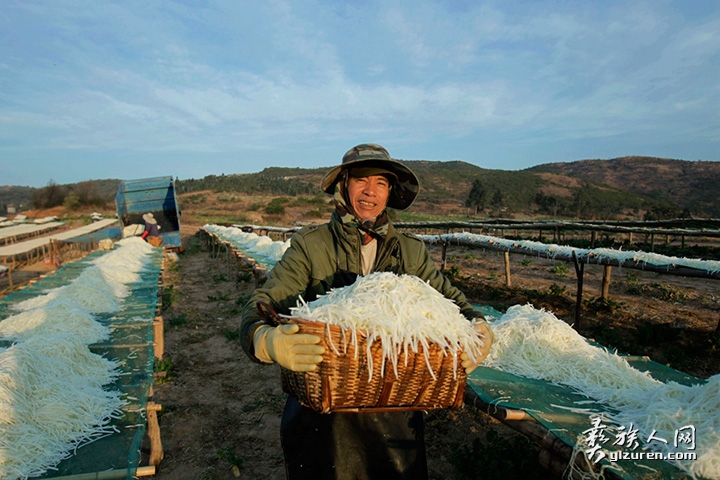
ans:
(52, 396)
(260, 248)
(534, 343)
(401, 311)
(553, 250)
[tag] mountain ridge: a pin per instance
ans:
(688, 184)
(626, 187)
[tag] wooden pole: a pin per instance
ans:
(607, 270)
(156, 450)
(444, 254)
(507, 269)
(579, 271)
(159, 337)
(148, 471)
(227, 258)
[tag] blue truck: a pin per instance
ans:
(154, 195)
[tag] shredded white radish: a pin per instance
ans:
(553, 250)
(100, 287)
(534, 343)
(401, 311)
(260, 248)
(52, 395)
(57, 317)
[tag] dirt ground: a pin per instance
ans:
(221, 412)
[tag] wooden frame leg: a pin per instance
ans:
(156, 450)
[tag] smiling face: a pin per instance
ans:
(368, 195)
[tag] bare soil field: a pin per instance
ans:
(221, 412)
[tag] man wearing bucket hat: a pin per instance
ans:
(358, 239)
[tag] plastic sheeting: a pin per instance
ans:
(567, 413)
(130, 344)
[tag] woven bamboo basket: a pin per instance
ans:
(342, 383)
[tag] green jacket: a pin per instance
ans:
(316, 259)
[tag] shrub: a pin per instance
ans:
(560, 269)
(275, 209)
(313, 214)
(599, 304)
(556, 290)
(169, 296)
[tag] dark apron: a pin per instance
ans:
(352, 446)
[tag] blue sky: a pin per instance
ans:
(94, 89)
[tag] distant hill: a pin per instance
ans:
(690, 185)
(15, 196)
(628, 187)
(21, 197)
(445, 187)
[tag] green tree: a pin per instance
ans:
(87, 194)
(547, 204)
(72, 201)
(50, 196)
(498, 199)
(476, 197)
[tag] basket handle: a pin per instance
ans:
(269, 314)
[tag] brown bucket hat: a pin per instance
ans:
(374, 159)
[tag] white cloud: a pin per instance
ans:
(226, 76)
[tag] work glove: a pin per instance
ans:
(483, 330)
(298, 352)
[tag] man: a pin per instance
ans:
(358, 240)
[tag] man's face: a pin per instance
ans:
(368, 195)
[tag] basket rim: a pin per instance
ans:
(334, 328)
(320, 324)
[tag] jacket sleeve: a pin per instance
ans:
(288, 280)
(428, 271)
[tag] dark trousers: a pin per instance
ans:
(352, 446)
